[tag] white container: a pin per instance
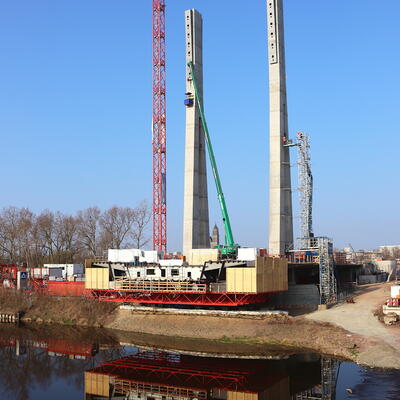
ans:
(151, 256)
(247, 253)
(394, 291)
(63, 271)
(171, 263)
(124, 255)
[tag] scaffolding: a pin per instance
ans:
(305, 189)
(327, 278)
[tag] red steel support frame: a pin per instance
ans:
(159, 130)
(204, 299)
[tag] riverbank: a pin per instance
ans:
(246, 335)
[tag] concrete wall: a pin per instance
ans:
(298, 296)
(367, 279)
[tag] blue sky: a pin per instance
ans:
(75, 109)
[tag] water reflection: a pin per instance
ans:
(33, 362)
(46, 363)
(155, 375)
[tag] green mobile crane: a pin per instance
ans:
(230, 247)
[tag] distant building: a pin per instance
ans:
(214, 240)
(390, 250)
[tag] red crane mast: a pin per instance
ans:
(159, 130)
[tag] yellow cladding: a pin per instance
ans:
(241, 396)
(97, 278)
(241, 280)
(97, 384)
(200, 256)
(269, 275)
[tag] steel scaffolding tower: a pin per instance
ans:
(305, 189)
(159, 132)
(327, 389)
(327, 279)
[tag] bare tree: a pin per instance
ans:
(67, 232)
(89, 230)
(55, 237)
(58, 235)
(142, 219)
(46, 234)
(116, 224)
(15, 227)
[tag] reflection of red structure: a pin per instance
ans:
(67, 347)
(178, 375)
(204, 299)
(53, 345)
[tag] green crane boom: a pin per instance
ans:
(230, 247)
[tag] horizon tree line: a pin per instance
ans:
(55, 237)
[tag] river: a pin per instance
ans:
(43, 363)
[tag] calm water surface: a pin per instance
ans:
(44, 363)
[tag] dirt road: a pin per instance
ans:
(359, 318)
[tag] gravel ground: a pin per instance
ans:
(359, 318)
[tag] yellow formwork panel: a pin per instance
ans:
(272, 274)
(241, 280)
(200, 256)
(97, 384)
(97, 278)
(241, 396)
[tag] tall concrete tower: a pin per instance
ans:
(280, 192)
(195, 217)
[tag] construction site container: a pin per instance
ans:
(124, 255)
(97, 384)
(97, 278)
(64, 288)
(171, 263)
(395, 291)
(200, 256)
(247, 253)
(269, 275)
(63, 271)
(151, 256)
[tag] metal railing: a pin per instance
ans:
(158, 286)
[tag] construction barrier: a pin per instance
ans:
(64, 288)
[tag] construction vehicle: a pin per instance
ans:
(229, 250)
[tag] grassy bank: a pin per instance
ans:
(40, 308)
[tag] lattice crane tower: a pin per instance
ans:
(159, 131)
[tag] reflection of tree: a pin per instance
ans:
(20, 374)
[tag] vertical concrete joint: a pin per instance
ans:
(195, 213)
(280, 192)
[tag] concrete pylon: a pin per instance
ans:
(280, 191)
(195, 217)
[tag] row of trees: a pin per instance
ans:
(54, 237)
